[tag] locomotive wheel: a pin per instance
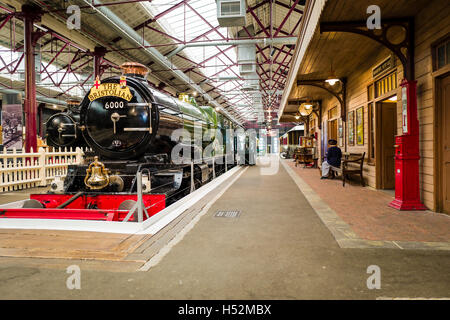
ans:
(32, 204)
(127, 205)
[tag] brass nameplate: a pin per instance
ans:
(108, 90)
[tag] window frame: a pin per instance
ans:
(442, 42)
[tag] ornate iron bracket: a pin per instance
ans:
(338, 91)
(318, 112)
(404, 49)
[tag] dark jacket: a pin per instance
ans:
(334, 156)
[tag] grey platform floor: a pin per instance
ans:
(277, 248)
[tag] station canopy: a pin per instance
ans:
(181, 42)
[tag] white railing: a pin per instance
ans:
(27, 170)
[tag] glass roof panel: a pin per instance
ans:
(189, 22)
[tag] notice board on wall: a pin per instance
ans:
(12, 126)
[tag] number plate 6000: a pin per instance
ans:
(114, 105)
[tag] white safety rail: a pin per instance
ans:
(20, 170)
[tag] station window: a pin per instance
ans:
(441, 54)
(371, 121)
(333, 113)
(386, 84)
(370, 93)
(333, 123)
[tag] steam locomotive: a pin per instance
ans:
(62, 129)
(130, 127)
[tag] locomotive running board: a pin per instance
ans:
(149, 226)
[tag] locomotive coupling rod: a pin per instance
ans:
(75, 197)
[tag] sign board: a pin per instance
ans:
(383, 67)
(404, 110)
(109, 89)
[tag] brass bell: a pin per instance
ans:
(96, 175)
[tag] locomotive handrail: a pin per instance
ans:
(140, 104)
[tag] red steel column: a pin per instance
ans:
(30, 15)
(99, 53)
(407, 155)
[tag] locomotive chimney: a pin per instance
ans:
(134, 69)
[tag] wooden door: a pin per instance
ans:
(388, 132)
(445, 145)
(332, 130)
(324, 136)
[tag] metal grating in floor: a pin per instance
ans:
(227, 214)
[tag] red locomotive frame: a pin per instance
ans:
(107, 207)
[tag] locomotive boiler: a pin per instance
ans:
(130, 128)
(62, 129)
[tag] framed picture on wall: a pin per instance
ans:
(12, 126)
(340, 133)
(360, 126)
(351, 127)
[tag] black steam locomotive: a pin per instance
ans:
(130, 127)
(62, 129)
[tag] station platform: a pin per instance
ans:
(366, 219)
(258, 236)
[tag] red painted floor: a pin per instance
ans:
(367, 212)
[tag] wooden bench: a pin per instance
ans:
(352, 164)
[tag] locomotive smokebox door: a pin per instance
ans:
(118, 116)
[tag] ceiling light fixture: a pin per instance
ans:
(332, 79)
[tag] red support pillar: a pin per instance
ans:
(41, 118)
(407, 187)
(99, 53)
(30, 15)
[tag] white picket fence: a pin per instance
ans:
(27, 170)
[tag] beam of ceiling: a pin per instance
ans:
(133, 37)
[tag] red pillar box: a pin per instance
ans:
(407, 189)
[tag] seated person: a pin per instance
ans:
(334, 156)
